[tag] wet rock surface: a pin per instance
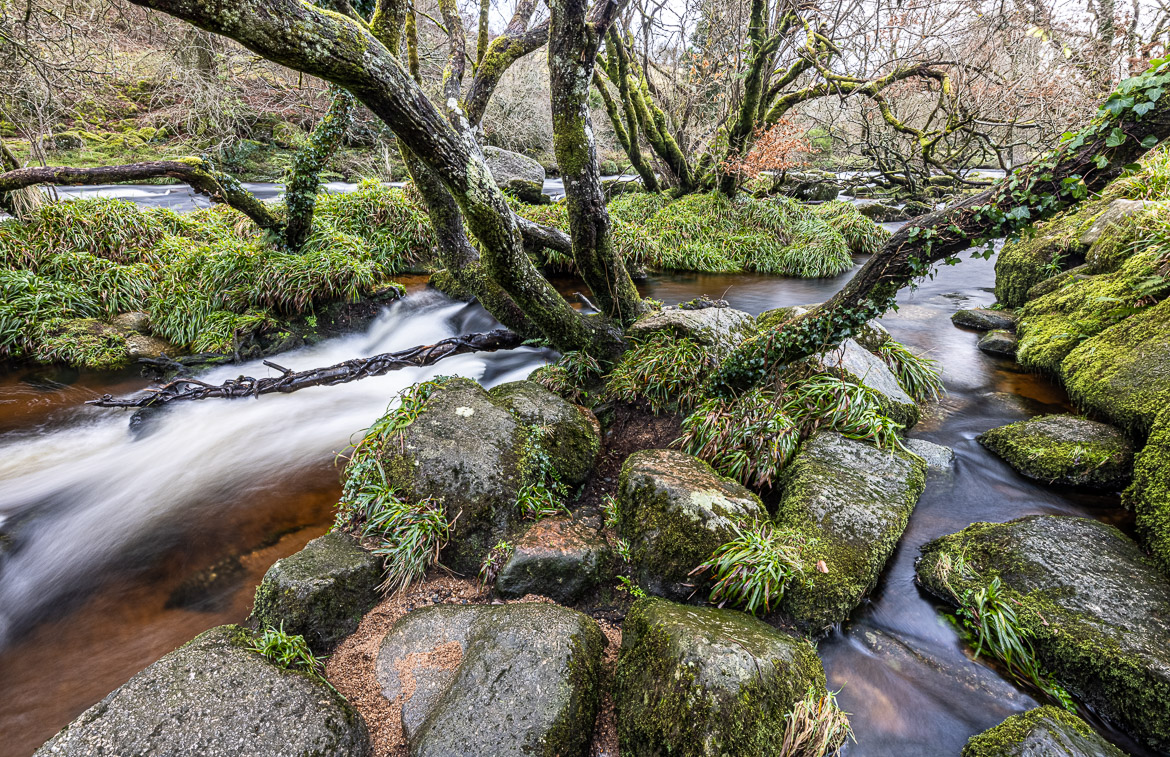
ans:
(854, 363)
(675, 510)
(212, 697)
(938, 458)
(1041, 732)
(984, 319)
(558, 558)
(719, 329)
(852, 501)
(706, 681)
(1064, 449)
(1096, 606)
(320, 592)
(1000, 342)
(501, 680)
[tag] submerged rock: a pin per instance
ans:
(1038, 733)
(1097, 609)
(213, 697)
(503, 680)
(466, 450)
(703, 681)
(854, 363)
(506, 165)
(1149, 495)
(556, 557)
(1000, 342)
(719, 329)
(1064, 449)
(984, 319)
(675, 510)
(852, 501)
(321, 592)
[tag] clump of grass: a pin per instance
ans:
(289, 651)
(569, 376)
(541, 493)
(816, 727)
(863, 236)
(83, 341)
(919, 376)
(816, 251)
(496, 558)
(412, 536)
(387, 430)
(750, 438)
(753, 570)
(665, 370)
(27, 301)
(852, 410)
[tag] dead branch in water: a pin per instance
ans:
(342, 373)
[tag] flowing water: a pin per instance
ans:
(128, 542)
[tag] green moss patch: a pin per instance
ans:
(1149, 495)
(1064, 449)
(1044, 730)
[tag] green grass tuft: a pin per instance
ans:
(665, 370)
(753, 570)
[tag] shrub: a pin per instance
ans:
(665, 370)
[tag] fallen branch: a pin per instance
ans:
(342, 373)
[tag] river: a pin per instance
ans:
(114, 525)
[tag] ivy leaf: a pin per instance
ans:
(1149, 141)
(1019, 213)
(1143, 108)
(1116, 138)
(1154, 93)
(1101, 161)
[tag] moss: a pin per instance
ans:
(1023, 263)
(1149, 494)
(565, 736)
(667, 703)
(1006, 739)
(1064, 449)
(85, 342)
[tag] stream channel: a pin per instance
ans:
(127, 543)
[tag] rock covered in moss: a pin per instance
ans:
(321, 592)
(675, 510)
(1051, 247)
(213, 697)
(1043, 731)
(1115, 214)
(506, 165)
(1066, 450)
(526, 191)
(1149, 495)
(852, 501)
(880, 212)
(1123, 373)
(719, 329)
(467, 450)
(1096, 607)
(704, 681)
(854, 363)
(133, 321)
(984, 319)
(558, 558)
(999, 342)
(505, 680)
(1059, 281)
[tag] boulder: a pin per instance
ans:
(1116, 213)
(675, 510)
(1041, 732)
(1149, 495)
(530, 192)
(719, 329)
(879, 212)
(506, 165)
(465, 450)
(214, 698)
(999, 342)
(558, 558)
(144, 345)
(984, 319)
(133, 321)
(1066, 450)
(852, 501)
(503, 680)
(1096, 607)
(1051, 247)
(937, 457)
(772, 318)
(321, 592)
(854, 363)
(703, 681)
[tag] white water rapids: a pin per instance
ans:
(92, 494)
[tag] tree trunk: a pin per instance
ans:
(300, 195)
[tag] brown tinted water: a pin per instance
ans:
(127, 544)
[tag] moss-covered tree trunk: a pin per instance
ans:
(300, 195)
(753, 86)
(574, 38)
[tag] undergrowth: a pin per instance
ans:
(289, 651)
(665, 370)
(816, 727)
(753, 570)
(541, 493)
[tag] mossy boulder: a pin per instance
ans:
(1047, 249)
(561, 558)
(880, 212)
(527, 191)
(1112, 235)
(675, 510)
(984, 319)
(1000, 342)
(506, 165)
(505, 680)
(1040, 732)
(1123, 373)
(854, 363)
(852, 501)
(1066, 450)
(213, 697)
(1097, 609)
(466, 450)
(1149, 495)
(937, 457)
(719, 329)
(706, 682)
(321, 592)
